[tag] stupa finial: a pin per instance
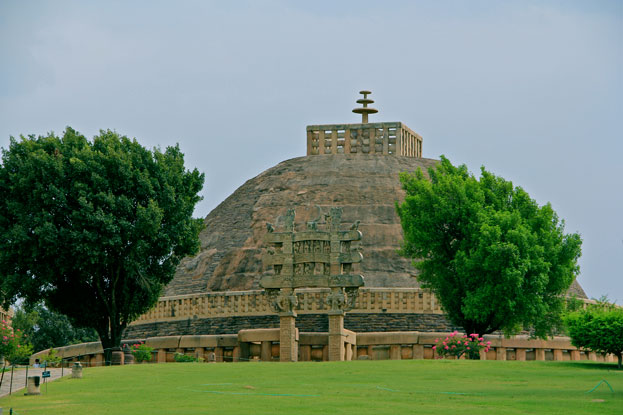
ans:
(365, 110)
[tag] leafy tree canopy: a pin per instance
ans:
(493, 257)
(598, 328)
(95, 228)
(45, 329)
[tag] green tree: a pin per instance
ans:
(45, 328)
(492, 256)
(598, 328)
(95, 228)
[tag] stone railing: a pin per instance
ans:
(311, 301)
(6, 315)
(263, 345)
(388, 138)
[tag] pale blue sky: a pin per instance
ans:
(532, 90)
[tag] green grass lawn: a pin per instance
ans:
(358, 387)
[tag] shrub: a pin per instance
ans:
(457, 345)
(141, 352)
(598, 328)
(182, 358)
(51, 359)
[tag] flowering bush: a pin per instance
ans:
(457, 345)
(12, 343)
(141, 352)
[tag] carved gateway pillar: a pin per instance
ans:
(284, 302)
(312, 258)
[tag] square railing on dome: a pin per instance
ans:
(388, 138)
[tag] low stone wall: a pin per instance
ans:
(263, 345)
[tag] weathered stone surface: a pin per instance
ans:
(366, 186)
(311, 323)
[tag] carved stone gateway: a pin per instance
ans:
(312, 258)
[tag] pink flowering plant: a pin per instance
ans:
(12, 343)
(457, 344)
(141, 352)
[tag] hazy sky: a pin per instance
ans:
(530, 89)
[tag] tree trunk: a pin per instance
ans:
(619, 357)
(111, 340)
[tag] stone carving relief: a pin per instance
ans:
(317, 256)
(282, 301)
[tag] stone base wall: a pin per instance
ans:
(263, 345)
(313, 323)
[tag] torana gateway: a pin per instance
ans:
(294, 244)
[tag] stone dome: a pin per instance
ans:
(366, 186)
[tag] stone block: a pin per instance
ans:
(349, 336)
(317, 353)
(97, 360)
(288, 346)
(219, 354)
(258, 335)
(349, 352)
(227, 340)
(371, 352)
(520, 354)
(429, 338)
(406, 352)
(265, 351)
(336, 338)
(394, 352)
(539, 354)
(313, 339)
(388, 338)
(418, 351)
(304, 353)
(194, 341)
(93, 348)
(255, 350)
(164, 342)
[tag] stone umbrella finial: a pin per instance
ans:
(365, 110)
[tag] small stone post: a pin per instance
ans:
(76, 371)
(288, 351)
(33, 385)
(265, 351)
(117, 357)
(288, 346)
(520, 355)
(336, 338)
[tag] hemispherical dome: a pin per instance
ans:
(365, 186)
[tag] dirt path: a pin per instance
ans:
(19, 379)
